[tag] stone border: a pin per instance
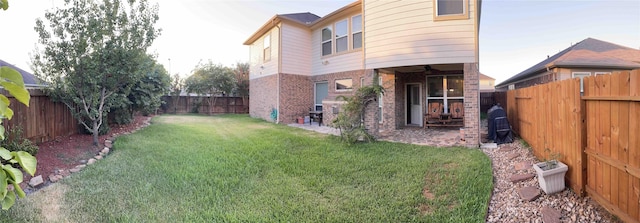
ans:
(38, 181)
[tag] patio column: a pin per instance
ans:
(471, 105)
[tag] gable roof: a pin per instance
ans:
(29, 79)
(588, 53)
(485, 77)
(305, 18)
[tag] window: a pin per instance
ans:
(445, 89)
(601, 73)
(344, 84)
(321, 92)
(266, 48)
(361, 81)
(451, 9)
(326, 41)
(342, 37)
(581, 75)
(356, 31)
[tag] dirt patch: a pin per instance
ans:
(64, 153)
(51, 203)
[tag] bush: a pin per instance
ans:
(16, 142)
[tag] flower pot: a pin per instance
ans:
(300, 120)
(551, 180)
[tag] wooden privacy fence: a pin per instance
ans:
(549, 116)
(488, 99)
(44, 120)
(613, 143)
(597, 134)
(205, 105)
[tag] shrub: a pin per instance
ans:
(16, 142)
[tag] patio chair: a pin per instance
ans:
(457, 110)
(434, 114)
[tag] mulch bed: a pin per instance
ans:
(65, 153)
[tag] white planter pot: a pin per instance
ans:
(551, 181)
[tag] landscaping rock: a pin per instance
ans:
(83, 161)
(550, 215)
(108, 144)
(520, 177)
(55, 178)
(512, 156)
(506, 149)
(36, 181)
(91, 161)
(75, 170)
(105, 150)
(523, 165)
(98, 157)
(81, 166)
(529, 193)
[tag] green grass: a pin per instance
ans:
(233, 168)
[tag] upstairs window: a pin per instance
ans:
(356, 31)
(266, 48)
(342, 37)
(451, 9)
(326, 41)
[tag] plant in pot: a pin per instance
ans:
(551, 173)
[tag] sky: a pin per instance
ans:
(514, 34)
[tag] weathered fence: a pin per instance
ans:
(488, 99)
(205, 105)
(549, 116)
(613, 143)
(43, 120)
(596, 133)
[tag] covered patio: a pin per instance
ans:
(438, 137)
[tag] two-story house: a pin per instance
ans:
(423, 51)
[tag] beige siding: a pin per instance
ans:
(487, 85)
(403, 33)
(344, 61)
(296, 49)
(260, 68)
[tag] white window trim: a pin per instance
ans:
(464, 15)
(315, 94)
(335, 86)
(346, 35)
(330, 40)
(266, 46)
(581, 75)
(445, 98)
(601, 73)
(353, 33)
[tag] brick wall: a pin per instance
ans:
(471, 105)
(296, 97)
(327, 110)
(263, 96)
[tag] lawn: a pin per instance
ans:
(233, 168)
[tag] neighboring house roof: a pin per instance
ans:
(485, 77)
(589, 53)
(29, 79)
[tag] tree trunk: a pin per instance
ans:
(95, 132)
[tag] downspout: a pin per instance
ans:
(279, 70)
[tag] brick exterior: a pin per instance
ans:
(263, 98)
(330, 101)
(296, 97)
(471, 105)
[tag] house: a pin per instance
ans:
(487, 84)
(30, 80)
(422, 52)
(586, 58)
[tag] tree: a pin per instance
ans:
(177, 84)
(11, 80)
(92, 50)
(350, 121)
(241, 73)
(145, 95)
(210, 79)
